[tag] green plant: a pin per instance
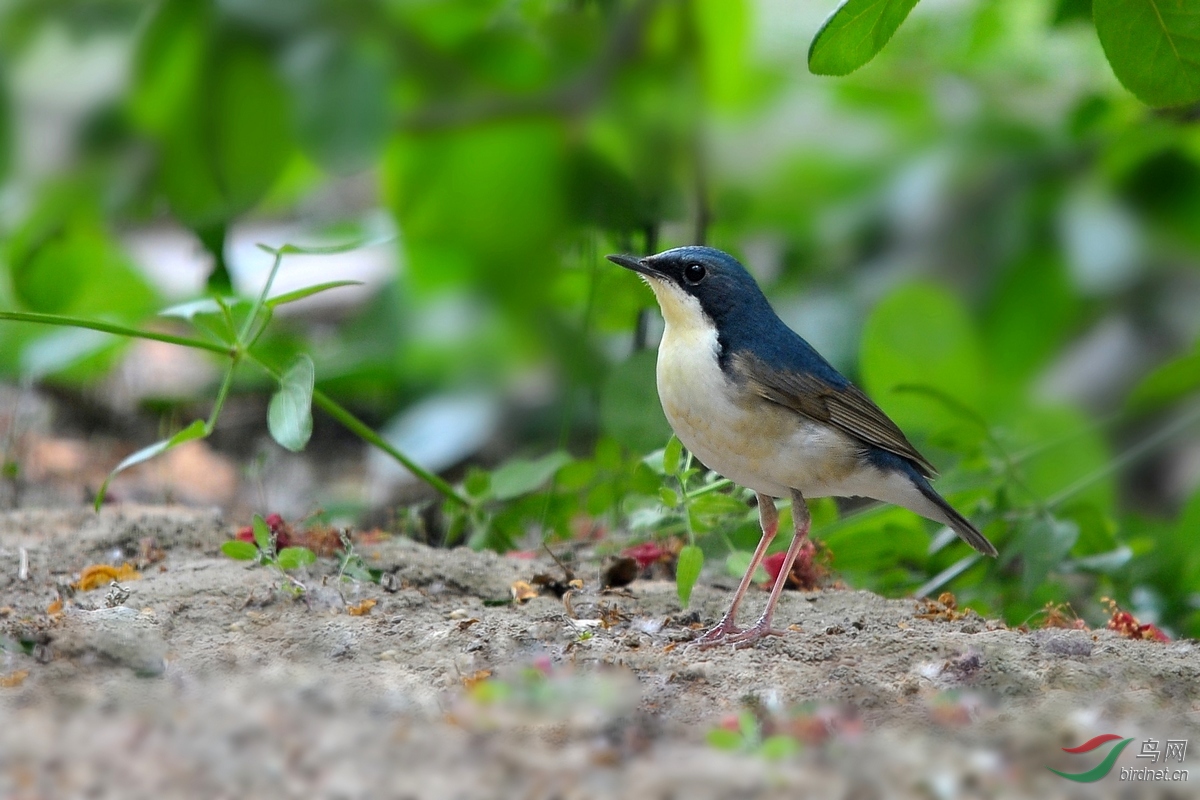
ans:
(747, 737)
(1153, 46)
(264, 551)
(234, 326)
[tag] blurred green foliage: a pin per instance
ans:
(954, 225)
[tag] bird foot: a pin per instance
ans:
(728, 634)
(716, 635)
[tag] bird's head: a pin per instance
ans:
(698, 286)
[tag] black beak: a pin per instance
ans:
(636, 264)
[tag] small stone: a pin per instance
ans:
(119, 634)
(459, 613)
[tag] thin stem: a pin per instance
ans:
(1132, 454)
(261, 300)
(116, 330)
(364, 432)
(211, 422)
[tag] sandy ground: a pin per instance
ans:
(210, 682)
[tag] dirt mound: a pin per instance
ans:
(209, 680)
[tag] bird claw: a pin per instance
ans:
(716, 635)
(726, 633)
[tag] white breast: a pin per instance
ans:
(754, 443)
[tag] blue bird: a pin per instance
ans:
(756, 403)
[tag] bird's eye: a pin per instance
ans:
(694, 273)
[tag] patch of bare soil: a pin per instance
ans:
(209, 681)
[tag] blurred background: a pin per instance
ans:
(981, 227)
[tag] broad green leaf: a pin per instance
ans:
(717, 504)
(920, 335)
(1032, 309)
(629, 408)
(1052, 470)
(308, 291)
(1043, 546)
(1176, 379)
(668, 497)
(237, 549)
(1153, 47)
(170, 57)
(231, 140)
(341, 93)
(724, 739)
(672, 459)
(877, 539)
(520, 476)
(854, 33)
(737, 562)
(197, 430)
(289, 417)
(778, 747)
(687, 571)
(295, 557)
(262, 534)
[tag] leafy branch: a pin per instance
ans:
(289, 416)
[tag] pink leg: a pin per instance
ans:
(768, 517)
(763, 627)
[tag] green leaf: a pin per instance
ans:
(1044, 545)
(1153, 47)
(723, 739)
(289, 417)
(629, 409)
(192, 308)
(231, 137)
(295, 557)
(687, 571)
(716, 505)
(262, 534)
(777, 748)
(854, 33)
(520, 476)
(342, 106)
(1171, 381)
(921, 335)
(237, 549)
(668, 497)
(197, 430)
(324, 249)
(737, 562)
(673, 456)
(308, 291)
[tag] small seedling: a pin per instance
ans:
(746, 737)
(263, 550)
(351, 565)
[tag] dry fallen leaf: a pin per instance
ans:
(56, 607)
(362, 608)
(522, 591)
(14, 679)
(97, 575)
(469, 681)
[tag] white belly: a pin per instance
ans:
(754, 443)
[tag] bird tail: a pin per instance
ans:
(957, 522)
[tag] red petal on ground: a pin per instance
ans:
(772, 564)
(645, 554)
